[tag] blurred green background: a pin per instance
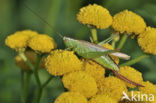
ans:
(62, 15)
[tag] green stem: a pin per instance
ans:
(46, 83)
(26, 85)
(39, 91)
(122, 41)
(94, 35)
(36, 70)
(39, 94)
(22, 86)
(133, 61)
(22, 55)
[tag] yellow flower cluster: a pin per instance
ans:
(81, 82)
(19, 39)
(95, 15)
(147, 40)
(60, 62)
(128, 22)
(94, 69)
(85, 79)
(102, 99)
(131, 94)
(112, 87)
(31, 56)
(149, 88)
(42, 43)
(71, 97)
(131, 74)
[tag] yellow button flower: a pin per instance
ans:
(131, 74)
(128, 22)
(94, 69)
(112, 87)
(31, 56)
(60, 62)
(138, 97)
(19, 39)
(108, 46)
(102, 99)
(149, 88)
(147, 40)
(71, 97)
(95, 15)
(81, 82)
(42, 43)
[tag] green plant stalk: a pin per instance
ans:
(36, 70)
(22, 55)
(39, 94)
(22, 86)
(39, 91)
(47, 81)
(26, 85)
(122, 41)
(133, 61)
(94, 35)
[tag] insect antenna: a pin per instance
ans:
(32, 11)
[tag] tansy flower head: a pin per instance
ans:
(131, 74)
(81, 82)
(94, 69)
(71, 97)
(112, 87)
(31, 56)
(19, 40)
(102, 99)
(128, 22)
(95, 15)
(149, 88)
(108, 46)
(60, 62)
(138, 97)
(147, 40)
(42, 43)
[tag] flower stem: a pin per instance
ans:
(26, 85)
(39, 94)
(39, 91)
(46, 83)
(22, 86)
(122, 41)
(133, 61)
(36, 70)
(94, 35)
